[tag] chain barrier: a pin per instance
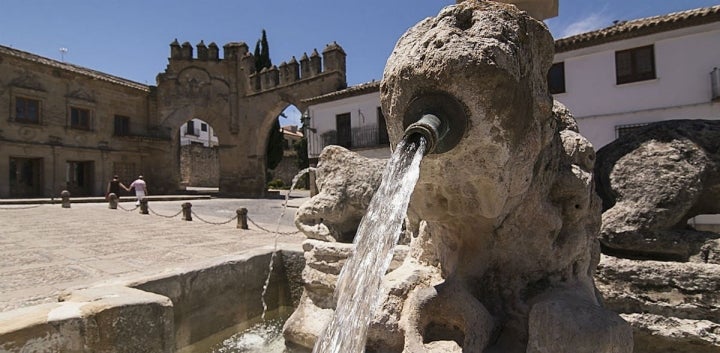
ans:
(127, 209)
(164, 216)
(213, 223)
(20, 208)
(270, 231)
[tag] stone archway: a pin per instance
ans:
(240, 103)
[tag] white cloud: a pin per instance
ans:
(589, 23)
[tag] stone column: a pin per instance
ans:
(242, 222)
(65, 195)
(112, 201)
(144, 206)
(187, 211)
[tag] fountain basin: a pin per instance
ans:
(163, 313)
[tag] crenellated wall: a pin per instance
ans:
(240, 102)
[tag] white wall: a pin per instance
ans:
(207, 138)
(362, 109)
(684, 59)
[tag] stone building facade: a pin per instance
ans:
(199, 165)
(65, 127)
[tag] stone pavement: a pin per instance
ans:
(46, 249)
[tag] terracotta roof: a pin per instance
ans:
(363, 88)
(72, 68)
(640, 27)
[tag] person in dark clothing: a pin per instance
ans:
(114, 187)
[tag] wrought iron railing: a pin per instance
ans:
(360, 137)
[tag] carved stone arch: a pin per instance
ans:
(273, 112)
(196, 93)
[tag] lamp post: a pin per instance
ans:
(305, 120)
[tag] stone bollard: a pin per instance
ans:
(187, 211)
(242, 218)
(144, 206)
(65, 195)
(112, 201)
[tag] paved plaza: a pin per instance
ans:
(46, 249)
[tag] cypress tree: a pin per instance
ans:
(275, 146)
(256, 55)
(274, 150)
(265, 51)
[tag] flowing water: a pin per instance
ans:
(358, 284)
(259, 335)
(295, 180)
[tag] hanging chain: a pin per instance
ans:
(127, 209)
(270, 231)
(213, 223)
(164, 216)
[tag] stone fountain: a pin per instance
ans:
(502, 226)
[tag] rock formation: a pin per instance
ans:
(504, 225)
(346, 183)
(651, 182)
(654, 180)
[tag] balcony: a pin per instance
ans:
(369, 136)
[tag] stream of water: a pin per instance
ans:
(277, 235)
(358, 284)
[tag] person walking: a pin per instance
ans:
(140, 187)
(114, 187)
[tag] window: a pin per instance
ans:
(637, 64)
(27, 110)
(556, 78)
(79, 118)
(122, 125)
(383, 138)
(622, 130)
(203, 127)
(190, 128)
(344, 132)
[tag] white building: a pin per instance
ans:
(612, 79)
(351, 118)
(640, 71)
(199, 132)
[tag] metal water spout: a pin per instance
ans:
(439, 118)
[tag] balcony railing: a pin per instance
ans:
(360, 137)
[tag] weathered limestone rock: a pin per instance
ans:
(93, 320)
(652, 182)
(672, 306)
(504, 225)
(507, 220)
(323, 262)
(346, 183)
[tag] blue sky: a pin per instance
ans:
(130, 38)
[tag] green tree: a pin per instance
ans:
(262, 53)
(275, 146)
(300, 147)
(274, 150)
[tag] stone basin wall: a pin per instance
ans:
(158, 314)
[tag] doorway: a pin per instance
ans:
(25, 177)
(79, 177)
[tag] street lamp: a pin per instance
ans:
(305, 120)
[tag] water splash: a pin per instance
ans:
(358, 285)
(295, 180)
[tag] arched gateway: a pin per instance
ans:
(239, 102)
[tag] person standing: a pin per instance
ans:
(114, 187)
(140, 189)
